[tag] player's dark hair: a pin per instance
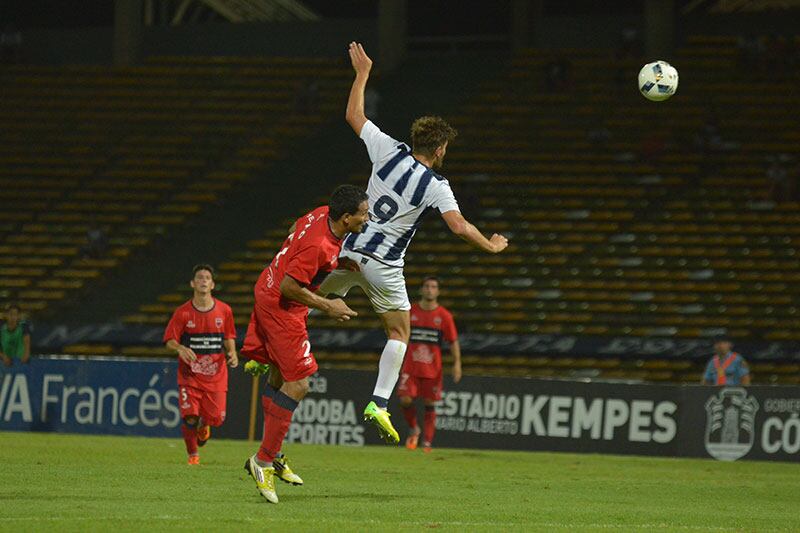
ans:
(9, 307)
(431, 278)
(429, 133)
(346, 200)
(203, 266)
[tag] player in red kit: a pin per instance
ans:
(203, 334)
(277, 333)
(431, 324)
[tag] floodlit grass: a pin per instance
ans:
(61, 483)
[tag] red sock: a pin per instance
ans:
(410, 413)
(190, 438)
(266, 401)
(278, 418)
(430, 424)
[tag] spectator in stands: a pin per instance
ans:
(751, 54)
(782, 178)
(10, 45)
(96, 242)
(776, 60)
(558, 75)
(15, 337)
(600, 136)
(308, 97)
(709, 141)
(726, 367)
(653, 145)
(630, 44)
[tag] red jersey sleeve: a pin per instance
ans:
(305, 264)
(230, 325)
(175, 327)
(449, 328)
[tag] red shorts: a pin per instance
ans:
(414, 387)
(208, 405)
(281, 341)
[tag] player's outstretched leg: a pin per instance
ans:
(264, 477)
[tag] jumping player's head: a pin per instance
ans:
(430, 289)
(12, 315)
(429, 139)
(202, 279)
(349, 208)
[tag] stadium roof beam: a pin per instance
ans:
(733, 6)
(178, 12)
(261, 10)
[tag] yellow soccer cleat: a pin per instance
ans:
(380, 419)
(264, 477)
(284, 473)
(254, 368)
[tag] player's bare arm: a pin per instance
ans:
(335, 308)
(230, 352)
(461, 227)
(6, 359)
(455, 349)
(362, 64)
(186, 354)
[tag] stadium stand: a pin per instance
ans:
(133, 154)
(618, 218)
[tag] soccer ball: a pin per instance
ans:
(658, 80)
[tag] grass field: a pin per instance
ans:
(61, 483)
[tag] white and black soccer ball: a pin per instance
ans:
(658, 80)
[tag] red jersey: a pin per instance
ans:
(429, 329)
(308, 256)
(203, 332)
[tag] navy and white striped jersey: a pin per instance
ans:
(401, 192)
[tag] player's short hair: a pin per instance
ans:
(203, 266)
(9, 307)
(346, 200)
(430, 278)
(429, 133)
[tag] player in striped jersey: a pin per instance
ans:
(403, 188)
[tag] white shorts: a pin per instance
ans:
(385, 286)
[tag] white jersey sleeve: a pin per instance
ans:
(379, 145)
(442, 198)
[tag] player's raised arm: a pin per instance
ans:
(461, 227)
(362, 64)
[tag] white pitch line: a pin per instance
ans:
(554, 525)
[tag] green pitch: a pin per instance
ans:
(79, 483)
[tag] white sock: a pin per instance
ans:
(389, 368)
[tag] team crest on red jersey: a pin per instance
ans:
(218, 322)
